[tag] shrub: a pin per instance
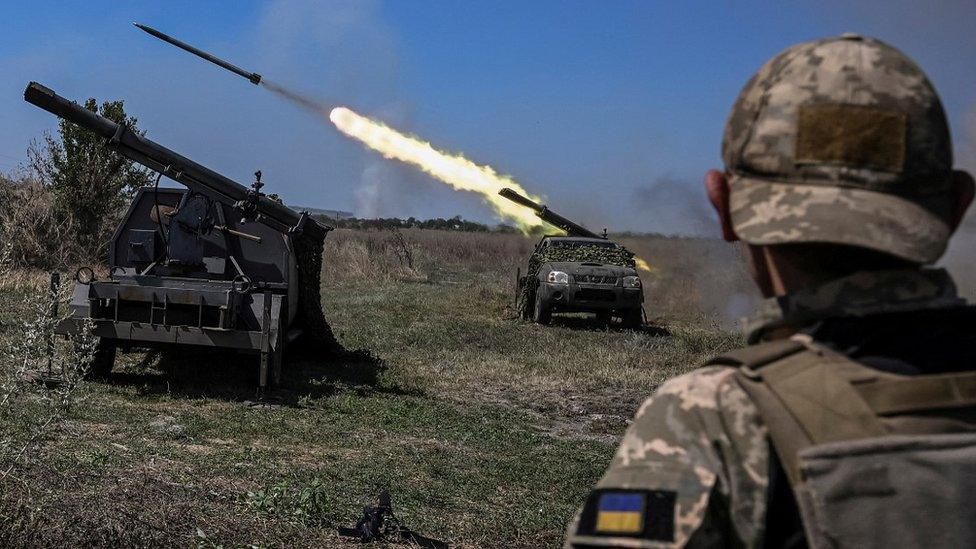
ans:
(90, 184)
(40, 375)
(33, 234)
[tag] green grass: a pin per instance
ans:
(487, 431)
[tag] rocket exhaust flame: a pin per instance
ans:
(455, 170)
(644, 266)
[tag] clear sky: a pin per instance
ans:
(612, 110)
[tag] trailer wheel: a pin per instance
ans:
(541, 313)
(103, 359)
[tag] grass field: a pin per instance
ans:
(487, 431)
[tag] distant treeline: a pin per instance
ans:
(455, 223)
(458, 224)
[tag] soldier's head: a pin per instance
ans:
(838, 158)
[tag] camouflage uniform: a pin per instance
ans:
(701, 437)
(841, 141)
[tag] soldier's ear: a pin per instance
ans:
(717, 187)
(963, 189)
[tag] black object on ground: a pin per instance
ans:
(380, 524)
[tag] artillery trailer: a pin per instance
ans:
(214, 264)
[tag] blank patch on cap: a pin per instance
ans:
(851, 135)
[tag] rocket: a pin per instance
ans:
(254, 77)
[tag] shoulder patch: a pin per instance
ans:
(851, 135)
(641, 514)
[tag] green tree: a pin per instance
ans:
(90, 184)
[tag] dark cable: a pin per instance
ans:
(159, 217)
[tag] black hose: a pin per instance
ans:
(159, 217)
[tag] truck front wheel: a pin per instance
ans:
(541, 313)
(632, 318)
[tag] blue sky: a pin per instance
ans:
(612, 110)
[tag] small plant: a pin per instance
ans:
(307, 504)
(402, 249)
(203, 541)
(40, 377)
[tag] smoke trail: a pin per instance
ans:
(296, 98)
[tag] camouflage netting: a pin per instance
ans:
(318, 333)
(591, 254)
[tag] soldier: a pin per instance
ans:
(850, 420)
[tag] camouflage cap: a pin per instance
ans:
(841, 140)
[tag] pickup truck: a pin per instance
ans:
(573, 274)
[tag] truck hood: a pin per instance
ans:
(597, 269)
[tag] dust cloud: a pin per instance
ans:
(673, 206)
(959, 259)
(696, 271)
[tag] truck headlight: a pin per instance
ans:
(557, 277)
(632, 282)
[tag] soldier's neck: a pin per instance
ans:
(784, 276)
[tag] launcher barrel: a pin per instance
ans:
(156, 157)
(549, 216)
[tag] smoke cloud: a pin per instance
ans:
(673, 206)
(372, 199)
(339, 52)
(387, 189)
(959, 259)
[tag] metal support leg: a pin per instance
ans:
(277, 361)
(263, 381)
(265, 343)
(55, 284)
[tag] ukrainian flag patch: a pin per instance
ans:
(628, 513)
(620, 512)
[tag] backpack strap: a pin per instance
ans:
(808, 394)
(899, 395)
(804, 400)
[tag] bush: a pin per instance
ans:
(33, 234)
(307, 503)
(89, 184)
(40, 373)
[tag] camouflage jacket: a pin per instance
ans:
(693, 468)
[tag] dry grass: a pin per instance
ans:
(693, 279)
(417, 255)
(31, 232)
(487, 430)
